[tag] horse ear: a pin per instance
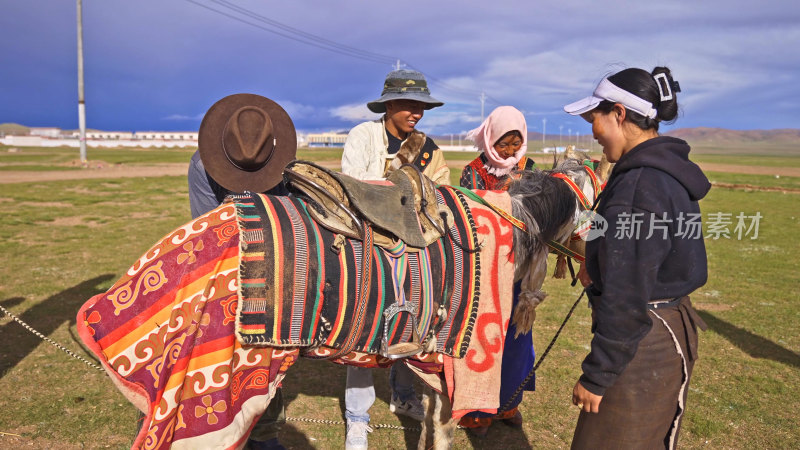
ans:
(603, 169)
(569, 153)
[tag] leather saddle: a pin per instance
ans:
(406, 210)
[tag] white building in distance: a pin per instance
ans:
(325, 139)
(50, 132)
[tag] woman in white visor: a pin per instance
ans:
(632, 392)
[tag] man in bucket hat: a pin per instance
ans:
(245, 142)
(376, 148)
(371, 152)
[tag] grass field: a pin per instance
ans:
(64, 241)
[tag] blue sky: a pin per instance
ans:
(160, 64)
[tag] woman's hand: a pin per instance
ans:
(583, 276)
(584, 399)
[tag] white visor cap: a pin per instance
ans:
(607, 90)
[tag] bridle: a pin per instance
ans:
(578, 233)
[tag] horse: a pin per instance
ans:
(201, 330)
(576, 169)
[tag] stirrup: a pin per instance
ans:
(401, 349)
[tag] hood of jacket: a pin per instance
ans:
(670, 155)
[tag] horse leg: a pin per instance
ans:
(439, 417)
(428, 403)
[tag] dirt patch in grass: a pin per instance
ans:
(752, 187)
(102, 169)
(47, 204)
(141, 215)
(754, 170)
(712, 306)
(71, 222)
(96, 172)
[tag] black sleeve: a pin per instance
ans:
(470, 179)
(466, 178)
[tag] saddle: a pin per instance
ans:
(406, 210)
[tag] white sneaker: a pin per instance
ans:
(357, 435)
(411, 408)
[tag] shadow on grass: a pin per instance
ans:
(43, 317)
(511, 437)
(322, 379)
(752, 344)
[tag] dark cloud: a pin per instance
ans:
(160, 65)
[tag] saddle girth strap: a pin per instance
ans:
(362, 298)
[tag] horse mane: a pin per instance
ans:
(573, 168)
(545, 204)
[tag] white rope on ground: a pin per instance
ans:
(340, 422)
(47, 339)
(95, 366)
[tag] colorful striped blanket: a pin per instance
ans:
(166, 334)
(300, 287)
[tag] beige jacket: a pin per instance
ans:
(365, 155)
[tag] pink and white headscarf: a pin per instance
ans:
(502, 120)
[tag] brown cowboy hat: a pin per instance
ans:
(245, 141)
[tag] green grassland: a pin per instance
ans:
(65, 241)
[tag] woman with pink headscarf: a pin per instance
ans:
(502, 139)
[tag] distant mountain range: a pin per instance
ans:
(695, 136)
(721, 135)
(706, 135)
(13, 128)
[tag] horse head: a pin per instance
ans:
(550, 204)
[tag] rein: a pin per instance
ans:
(473, 196)
(546, 351)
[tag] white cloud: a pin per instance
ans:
(439, 121)
(353, 112)
(183, 117)
(297, 110)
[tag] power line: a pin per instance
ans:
(321, 40)
(294, 38)
(303, 37)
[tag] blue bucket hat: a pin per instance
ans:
(404, 84)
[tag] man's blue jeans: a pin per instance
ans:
(359, 395)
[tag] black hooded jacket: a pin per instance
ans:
(653, 249)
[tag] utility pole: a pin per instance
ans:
(483, 101)
(544, 130)
(559, 134)
(81, 102)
